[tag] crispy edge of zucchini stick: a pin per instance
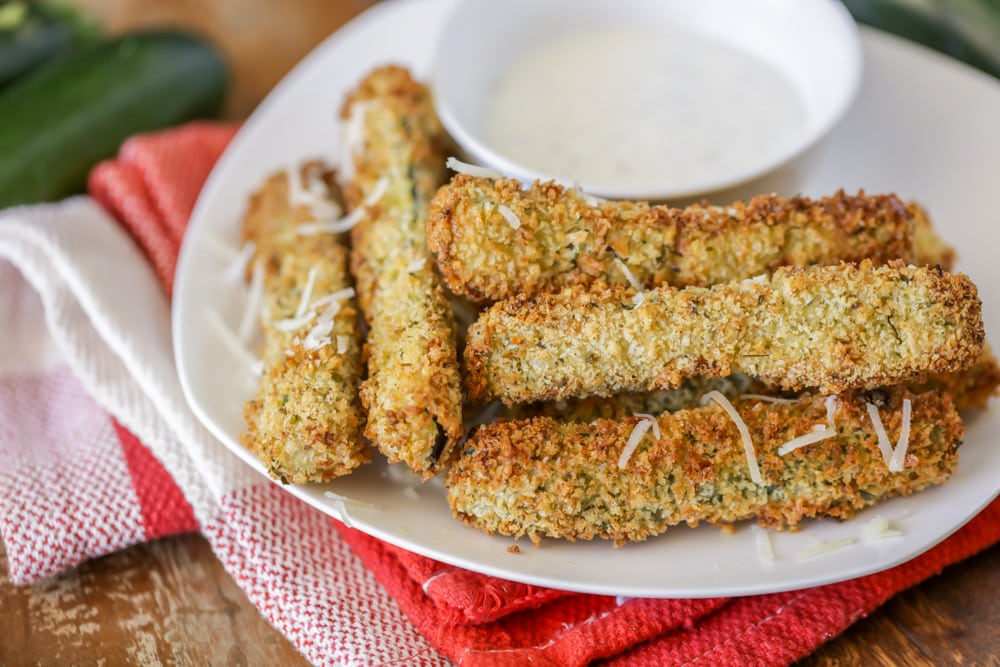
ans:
(543, 477)
(304, 422)
(832, 328)
(561, 239)
(413, 393)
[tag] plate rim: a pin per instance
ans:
(183, 273)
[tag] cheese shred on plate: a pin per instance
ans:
(234, 273)
(638, 432)
(252, 307)
(476, 171)
(234, 344)
(724, 403)
(765, 552)
(879, 529)
(821, 548)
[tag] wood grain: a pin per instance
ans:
(171, 603)
(168, 602)
(261, 39)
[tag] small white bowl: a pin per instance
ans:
(812, 44)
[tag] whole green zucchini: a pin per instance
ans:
(32, 33)
(58, 122)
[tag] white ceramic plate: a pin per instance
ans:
(923, 126)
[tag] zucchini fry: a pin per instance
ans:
(833, 328)
(413, 391)
(564, 240)
(543, 477)
(304, 423)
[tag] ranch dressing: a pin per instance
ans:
(643, 110)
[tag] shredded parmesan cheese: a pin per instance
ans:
(640, 295)
(252, 307)
(460, 167)
(819, 432)
(767, 399)
(306, 293)
(319, 335)
(883, 439)
(340, 504)
(314, 194)
(238, 267)
(349, 221)
(352, 138)
(652, 419)
(291, 324)
(638, 431)
(342, 342)
(344, 224)
(878, 529)
(339, 295)
(818, 548)
(831, 410)
(509, 216)
(765, 553)
(233, 343)
(724, 403)
(899, 453)
(416, 265)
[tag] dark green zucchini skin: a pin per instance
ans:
(58, 122)
(33, 33)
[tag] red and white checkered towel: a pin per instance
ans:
(100, 451)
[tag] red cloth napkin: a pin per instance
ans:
(290, 558)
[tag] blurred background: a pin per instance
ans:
(86, 56)
(260, 39)
(263, 39)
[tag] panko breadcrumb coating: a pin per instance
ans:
(304, 423)
(413, 391)
(564, 239)
(830, 327)
(544, 477)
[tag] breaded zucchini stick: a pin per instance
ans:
(971, 388)
(562, 240)
(833, 328)
(413, 391)
(544, 477)
(304, 423)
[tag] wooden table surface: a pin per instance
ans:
(171, 603)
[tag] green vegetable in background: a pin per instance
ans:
(56, 123)
(32, 33)
(966, 29)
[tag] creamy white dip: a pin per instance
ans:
(639, 109)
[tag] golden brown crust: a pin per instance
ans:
(304, 422)
(413, 392)
(832, 328)
(971, 388)
(543, 477)
(563, 240)
(931, 250)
